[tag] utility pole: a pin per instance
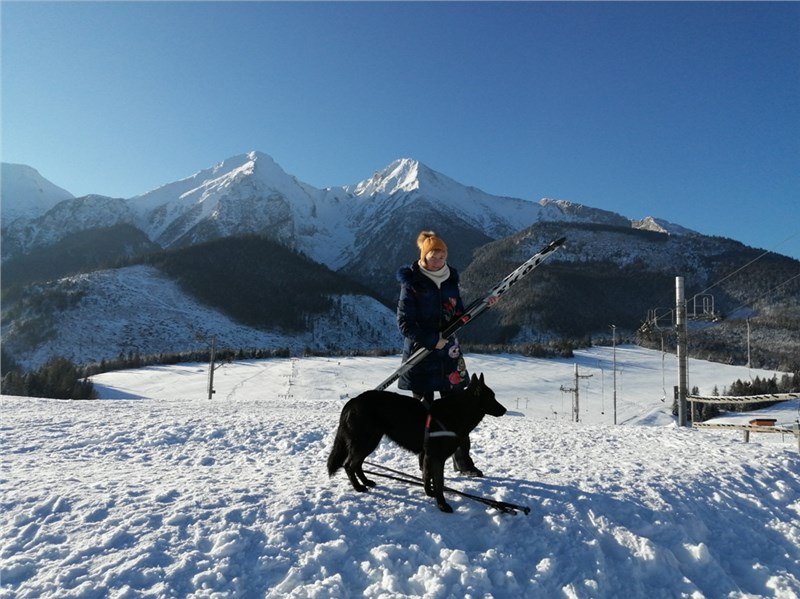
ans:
(211, 359)
(576, 412)
(682, 334)
(614, 366)
(211, 341)
(748, 344)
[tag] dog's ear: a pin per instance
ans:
(473, 379)
(481, 380)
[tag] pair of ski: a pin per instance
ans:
(503, 506)
(476, 308)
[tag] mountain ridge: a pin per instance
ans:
(26, 193)
(612, 269)
(250, 192)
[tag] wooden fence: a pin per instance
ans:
(754, 426)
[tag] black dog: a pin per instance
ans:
(366, 418)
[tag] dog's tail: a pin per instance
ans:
(338, 453)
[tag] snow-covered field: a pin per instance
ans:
(156, 491)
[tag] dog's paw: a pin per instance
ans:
(445, 507)
(370, 483)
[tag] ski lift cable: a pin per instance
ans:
(789, 280)
(757, 258)
(761, 255)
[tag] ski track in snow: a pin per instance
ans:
(175, 495)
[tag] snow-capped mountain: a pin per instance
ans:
(659, 225)
(63, 219)
(251, 193)
(244, 194)
(409, 182)
(611, 270)
(26, 194)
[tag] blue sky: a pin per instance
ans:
(684, 111)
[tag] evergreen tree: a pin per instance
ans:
(58, 379)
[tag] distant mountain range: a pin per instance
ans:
(251, 194)
(614, 270)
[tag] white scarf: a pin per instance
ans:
(437, 276)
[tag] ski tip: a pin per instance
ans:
(559, 242)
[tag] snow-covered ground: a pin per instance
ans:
(157, 491)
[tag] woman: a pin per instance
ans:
(429, 299)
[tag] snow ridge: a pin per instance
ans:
(659, 225)
(400, 175)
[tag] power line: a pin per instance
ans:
(756, 259)
(789, 280)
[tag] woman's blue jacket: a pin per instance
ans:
(422, 311)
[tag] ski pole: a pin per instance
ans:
(476, 308)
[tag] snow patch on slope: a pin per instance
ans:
(145, 312)
(659, 225)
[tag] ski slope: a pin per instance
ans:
(156, 491)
